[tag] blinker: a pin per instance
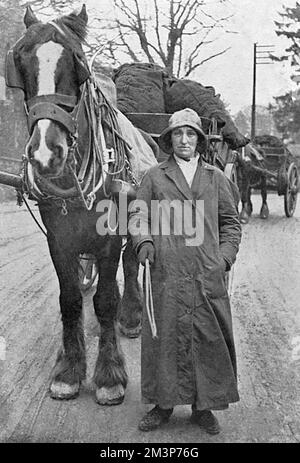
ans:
(13, 76)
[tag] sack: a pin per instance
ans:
(184, 93)
(141, 155)
(140, 88)
(148, 88)
(107, 87)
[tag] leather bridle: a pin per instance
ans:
(90, 170)
(49, 107)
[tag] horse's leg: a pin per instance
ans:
(70, 367)
(264, 211)
(110, 376)
(249, 202)
(245, 186)
(131, 306)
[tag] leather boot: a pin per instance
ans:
(155, 418)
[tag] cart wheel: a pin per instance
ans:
(290, 195)
(282, 179)
(87, 272)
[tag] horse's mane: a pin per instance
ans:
(74, 24)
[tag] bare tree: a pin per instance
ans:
(172, 33)
(176, 34)
(46, 8)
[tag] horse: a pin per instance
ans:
(251, 165)
(74, 157)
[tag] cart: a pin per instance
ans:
(280, 168)
(282, 176)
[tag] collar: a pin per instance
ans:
(191, 161)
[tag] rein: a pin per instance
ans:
(149, 300)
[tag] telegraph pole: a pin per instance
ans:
(253, 93)
(261, 55)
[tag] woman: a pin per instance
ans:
(192, 361)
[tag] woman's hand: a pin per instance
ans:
(146, 251)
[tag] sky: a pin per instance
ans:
(232, 73)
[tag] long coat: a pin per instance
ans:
(193, 359)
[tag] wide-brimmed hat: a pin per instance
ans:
(180, 118)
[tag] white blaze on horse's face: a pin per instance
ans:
(48, 56)
(47, 147)
(43, 154)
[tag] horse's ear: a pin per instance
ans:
(29, 17)
(83, 14)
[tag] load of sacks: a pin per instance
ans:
(148, 88)
(269, 141)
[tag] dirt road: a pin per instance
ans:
(266, 315)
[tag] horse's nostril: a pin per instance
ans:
(51, 163)
(57, 158)
(59, 152)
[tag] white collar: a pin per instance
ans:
(191, 161)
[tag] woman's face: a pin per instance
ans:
(184, 141)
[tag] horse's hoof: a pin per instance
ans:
(110, 395)
(264, 212)
(244, 218)
(64, 391)
(130, 332)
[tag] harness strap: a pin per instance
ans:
(56, 98)
(47, 110)
(117, 133)
(85, 160)
(51, 189)
(33, 216)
